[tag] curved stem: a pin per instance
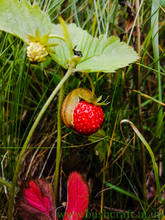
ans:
(91, 82)
(58, 150)
(69, 72)
(89, 78)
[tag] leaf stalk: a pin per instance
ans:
(58, 150)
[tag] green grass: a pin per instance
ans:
(25, 88)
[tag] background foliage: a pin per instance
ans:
(25, 87)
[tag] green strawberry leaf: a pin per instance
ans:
(97, 136)
(99, 148)
(21, 18)
(161, 2)
(105, 55)
(99, 54)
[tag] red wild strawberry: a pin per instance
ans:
(87, 118)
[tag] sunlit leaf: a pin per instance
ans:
(99, 54)
(21, 18)
(161, 2)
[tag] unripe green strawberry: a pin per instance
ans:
(85, 117)
(39, 47)
(88, 118)
(36, 52)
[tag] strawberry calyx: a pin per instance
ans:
(39, 47)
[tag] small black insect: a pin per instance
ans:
(77, 53)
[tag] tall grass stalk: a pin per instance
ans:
(155, 44)
(139, 102)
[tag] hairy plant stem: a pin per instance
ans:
(67, 75)
(139, 105)
(58, 150)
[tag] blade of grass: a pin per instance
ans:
(5, 183)
(120, 190)
(149, 97)
(151, 154)
(137, 14)
(139, 102)
(155, 43)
